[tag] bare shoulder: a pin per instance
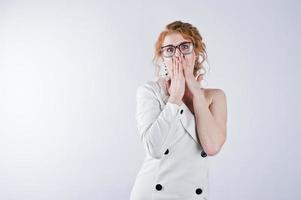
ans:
(215, 95)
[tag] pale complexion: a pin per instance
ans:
(208, 105)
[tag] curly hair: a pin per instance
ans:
(189, 32)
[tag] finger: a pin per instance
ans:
(181, 71)
(172, 68)
(177, 68)
(182, 58)
(184, 61)
(181, 62)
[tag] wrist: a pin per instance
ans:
(198, 95)
(174, 100)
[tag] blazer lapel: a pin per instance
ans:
(188, 122)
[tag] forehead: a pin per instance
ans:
(174, 39)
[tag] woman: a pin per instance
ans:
(179, 123)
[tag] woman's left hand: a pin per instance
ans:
(192, 84)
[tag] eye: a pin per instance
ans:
(185, 46)
(170, 49)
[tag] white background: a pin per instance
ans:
(68, 76)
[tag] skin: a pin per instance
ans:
(208, 105)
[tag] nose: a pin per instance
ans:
(178, 52)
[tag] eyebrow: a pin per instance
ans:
(175, 45)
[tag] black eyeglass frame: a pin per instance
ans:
(175, 47)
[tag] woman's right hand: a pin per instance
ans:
(176, 86)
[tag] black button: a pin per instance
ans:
(203, 154)
(198, 191)
(166, 74)
(181, 111)
(166, 152)
(158, 187)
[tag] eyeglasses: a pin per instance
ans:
(169, 50)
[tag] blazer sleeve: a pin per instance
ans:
(153, 123)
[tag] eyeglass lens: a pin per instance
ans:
(185, 48)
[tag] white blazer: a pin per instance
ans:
(175, 166)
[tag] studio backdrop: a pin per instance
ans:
(69, 71)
